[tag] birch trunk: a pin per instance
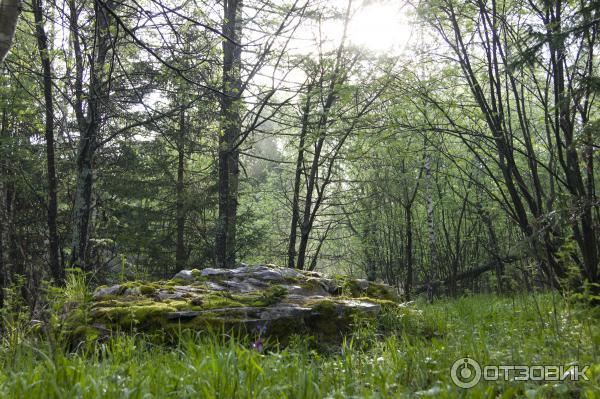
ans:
(433, 258)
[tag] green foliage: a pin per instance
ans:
(15, 321)
(76, 289)
(68, 316)
(352, 288)
(410, 363)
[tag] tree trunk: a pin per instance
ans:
(12, 261)
(3, 270)
(494, 248)
(9, 16)
(491, 103)
(306, 225)
(16, 262)
(584, 231)
(225, 246)
(3, 266)
(89, 126)
(180, 255)
(310, 212)
(409, 251)
(82, 206)
(307, 216)
(297, 183)
(313, 261)
(433, 258)
(470, 274)
(42, 42)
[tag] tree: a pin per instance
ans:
(233, 88)
(9, 16)
(228, 140)
(513, 97)
(333, 110)
(89, 117)
(53, 239)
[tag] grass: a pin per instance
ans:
(415, 362)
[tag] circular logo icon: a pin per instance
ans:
(465, 373)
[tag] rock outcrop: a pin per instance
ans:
(272, 301)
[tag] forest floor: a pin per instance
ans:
(541, 329)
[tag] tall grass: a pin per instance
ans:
(415, 362)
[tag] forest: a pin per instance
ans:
(299, 198)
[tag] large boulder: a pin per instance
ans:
(274, 301)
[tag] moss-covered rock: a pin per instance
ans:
(362, 288)
(278, 302)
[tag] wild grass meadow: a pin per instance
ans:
(412, 360)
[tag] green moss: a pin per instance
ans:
(293, 280)
(109, 297)
(197, 301)
(177, 281)
(311, 284)
(138, 310)
(177, 304)
(352, 288)
(325, 307)
(138, 287)
(216, 300)
(326, 323)
(374, 290)
(148, 316)
(272, 295)
(147, 290)
(380, 291)
(123, 302)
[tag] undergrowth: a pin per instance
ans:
(412, 359)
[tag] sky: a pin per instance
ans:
(379, 26)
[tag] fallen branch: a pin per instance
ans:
(469, 274)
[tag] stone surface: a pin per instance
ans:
(277, 301)
(184, 275)
(106, 291)
(362, 284)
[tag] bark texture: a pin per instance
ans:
(180, 254)
(53, 240)
(229, 156)
(89, 123)
(9, 16)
